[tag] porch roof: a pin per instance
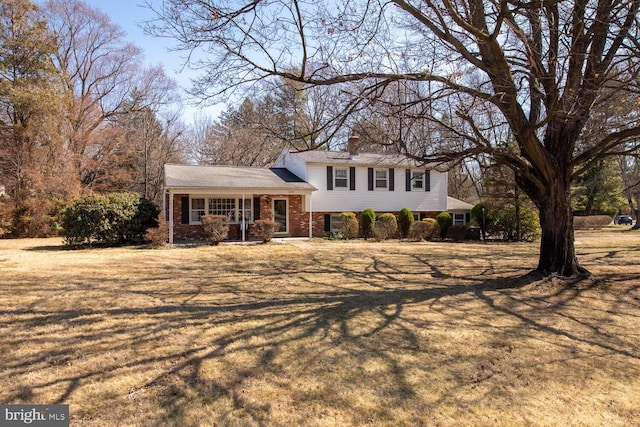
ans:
(237, 178)
(457, 205)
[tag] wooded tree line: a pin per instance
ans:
(79, 113)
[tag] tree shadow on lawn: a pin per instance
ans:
(335, 340)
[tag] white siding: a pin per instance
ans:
(381, 201)
(292, 162)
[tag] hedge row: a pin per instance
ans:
(592, 221)
(111, 219)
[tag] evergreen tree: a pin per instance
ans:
(31, 165)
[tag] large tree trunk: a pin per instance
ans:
(557, 249)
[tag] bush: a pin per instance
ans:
(591, 221)
(420, 230)
(505, 224)
(158, 236)
(386, 227)
(433, 228)
(445, 220)
(349, 224)
(85, 220)
(368, 222)
(265, 228)
(457, 232)
(130, 216)
(114, 219)
(215, 228)
(405, 219)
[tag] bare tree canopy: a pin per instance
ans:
(480, 72)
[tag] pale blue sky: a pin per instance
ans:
(129, 14)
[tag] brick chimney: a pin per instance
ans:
(353, 145)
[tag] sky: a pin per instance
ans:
(129, 15)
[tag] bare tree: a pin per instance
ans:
(151, 140)
(240, 138)
(106, 83)
(534, 69)
(200, 136)
(256, 130)
(98, 69)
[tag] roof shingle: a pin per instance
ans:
(233, 178)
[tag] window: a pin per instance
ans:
(458, 219)
(197, 210)
(417, 180)
(381, 178)
(337, 225)
(225, 207)
(341, 177)
(234, 209)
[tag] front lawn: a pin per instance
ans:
(322, 334)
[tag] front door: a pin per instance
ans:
(281, 214)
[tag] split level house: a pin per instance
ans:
(305, 192)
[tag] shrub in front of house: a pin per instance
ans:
(113, 219)
(420, 230)
(215, 228)
(457, 232)
(433, 229)
(368, 222)
(130, 216)
(385, 227)
(405, 219)
(445, 220)
(158, 236)
(264, 229)
(349, 225)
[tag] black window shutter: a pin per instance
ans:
(370, 175)
(352, 178)
(256, 208)
(185, 210)
(407, 176)
(427, 180)
(329, 177)
(467, 218)
(327, 222)
(391, 179)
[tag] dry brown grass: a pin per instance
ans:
(329, 334)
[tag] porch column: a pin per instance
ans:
(310, 217)
(170, 217)
(244, 210)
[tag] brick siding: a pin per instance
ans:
(298, 219)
